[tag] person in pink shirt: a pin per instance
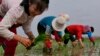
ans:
(78, 31)
(15, 13)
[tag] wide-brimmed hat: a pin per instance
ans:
(59, 23)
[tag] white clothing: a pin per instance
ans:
(12, 14)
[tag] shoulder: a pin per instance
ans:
(16, 11)
(48, 17)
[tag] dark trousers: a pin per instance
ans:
(69, 37)
(42, 36)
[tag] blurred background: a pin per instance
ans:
(81, 12)
(86, 12)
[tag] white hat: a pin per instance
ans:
(59, 23)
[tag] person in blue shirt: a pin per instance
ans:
(51, 25)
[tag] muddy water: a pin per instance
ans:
(57, 51)
(61, 52)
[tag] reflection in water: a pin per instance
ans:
(77, 51)
(59, 51)
(50, 52)
(47, 51)
(62, 51)
(91, 51)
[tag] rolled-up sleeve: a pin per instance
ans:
(8, 20)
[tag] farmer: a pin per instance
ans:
(78, 31)
(51, 25)
(14, 13)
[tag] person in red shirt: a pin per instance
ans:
(78, 31)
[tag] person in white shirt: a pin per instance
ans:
(20, 13)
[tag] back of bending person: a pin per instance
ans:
(78, 31)
(51, 25)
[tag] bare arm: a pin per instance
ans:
(31, 36)
(79, 37)
(27, 29)
(7, 22)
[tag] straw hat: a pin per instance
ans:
(59, 23)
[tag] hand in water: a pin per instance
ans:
(32, 43)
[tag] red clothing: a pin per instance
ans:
(0, 1)
(9, 46)
(48, 43)
(92, 39)
(76, 30)
(57, 36)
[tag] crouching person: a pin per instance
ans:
(15, 13)
(75, 32)
(51, 25)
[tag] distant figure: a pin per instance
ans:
(78, 31)
(51, 25)
(74, 33)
